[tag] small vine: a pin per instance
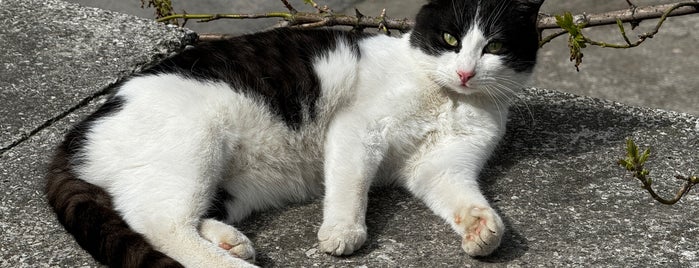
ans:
(635, 161)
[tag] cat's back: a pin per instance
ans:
(259, 95)
(287, 70)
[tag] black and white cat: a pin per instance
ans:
(231, 127)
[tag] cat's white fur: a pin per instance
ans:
(382, 119)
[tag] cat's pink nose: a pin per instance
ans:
(465, 76)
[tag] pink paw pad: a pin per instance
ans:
(483, 230)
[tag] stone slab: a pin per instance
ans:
(553, 179)
(58, 54)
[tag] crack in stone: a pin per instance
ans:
(27, 135)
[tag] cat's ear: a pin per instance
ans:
(530, 8)
(529, 5)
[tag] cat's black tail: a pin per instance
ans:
(86, 211)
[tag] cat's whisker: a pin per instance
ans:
(521, 99)
(459, 19)
(509, 90)
(496, 100)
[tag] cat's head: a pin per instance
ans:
(474, 46)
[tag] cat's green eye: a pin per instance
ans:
(495, 47)
(450, 40)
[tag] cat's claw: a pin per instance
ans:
(228, 238)
(483, 230)
(341, 239)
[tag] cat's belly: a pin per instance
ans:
(272, 170)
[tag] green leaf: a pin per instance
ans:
(623, 163)
(576, 40)
(565, 21)
(644, 157)
(631, 150)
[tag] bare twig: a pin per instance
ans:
(212, 17)
(304, 19)
(642, 37)
(382, 22)
(550, 37)
(162, 8)
(289, 6)
(324, 9)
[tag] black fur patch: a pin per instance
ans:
(217, 209)
(512, 22)
(275, 66)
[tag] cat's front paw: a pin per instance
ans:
(483, 230)
(341, 239)
(228, 238)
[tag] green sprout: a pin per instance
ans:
(576, 39)
(635, 161)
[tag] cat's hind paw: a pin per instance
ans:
(341, 239)
(228, 238)
(483, 230)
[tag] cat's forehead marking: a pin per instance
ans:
(465, 15)
(474, 39)
(471, 15)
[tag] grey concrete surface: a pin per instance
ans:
(56, 60)
(43, 51)
(553, 179)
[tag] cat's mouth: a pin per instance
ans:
(465, 89)
(456, 84)
(466, 86)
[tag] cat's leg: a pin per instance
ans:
(445, 178)
(352, 156)
(168, 213)
(162, 183)
(228, 238)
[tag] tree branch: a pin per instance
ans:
(212, 17)
(305, 19)
(627, 15)
(577, 40)
(324, 17)
(568, 23)
(289, 6)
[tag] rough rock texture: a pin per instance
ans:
(57, 54)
